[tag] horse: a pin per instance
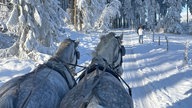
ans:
(47, 84)
(100, 85)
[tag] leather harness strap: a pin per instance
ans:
(100, 67)
(60, 70)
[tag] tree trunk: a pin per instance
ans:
(187, 12)
(75, 14)
(71, 11)
(80, 20)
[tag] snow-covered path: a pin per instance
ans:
(158, 77)
(133, 71)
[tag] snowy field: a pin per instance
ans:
(158, 78)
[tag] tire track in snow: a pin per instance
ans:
(141, 96)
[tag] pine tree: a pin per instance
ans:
(90, 10)
(37, 26)
(98, 13)
(153, 9)
(171, 22)
(190, 5)
(139, 12)
(163, 8)
(128, 11)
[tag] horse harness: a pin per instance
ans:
(58, 66)
(99, 67)
(108, 69)
(60, 69)
(121, 51)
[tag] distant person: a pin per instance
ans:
(140, 33)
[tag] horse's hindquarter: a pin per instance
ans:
(110, 93)
(46, 89)
(99, 91)
(42, 89)
(8, 93)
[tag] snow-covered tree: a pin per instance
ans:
(128, 10)
(139, 12)
(162, 8)
(153, 9)
(171, 22)
(97, 13)
(190, 5)
(37, 23)
(110, 11)
(91, 11)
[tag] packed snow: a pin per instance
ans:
(160, 77)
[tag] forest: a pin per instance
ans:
(37, 25)
(110, 14)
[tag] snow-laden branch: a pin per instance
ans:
(110, 11)
(97, 13)
(37, 24)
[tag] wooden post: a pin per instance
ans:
(167, 42)
(80, 20)
(159, 40)
(186, 58)
(153, 35)
(187, 12)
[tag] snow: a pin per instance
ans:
(13, 21)
(158, 78)
(37, 17)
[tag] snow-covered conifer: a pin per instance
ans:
(128, 10)
(153, 9)
(37, 24)
(171, 22)
(110, 11)
(91, 11)
(97, 13)
(190, 5)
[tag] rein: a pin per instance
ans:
(129, 88)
